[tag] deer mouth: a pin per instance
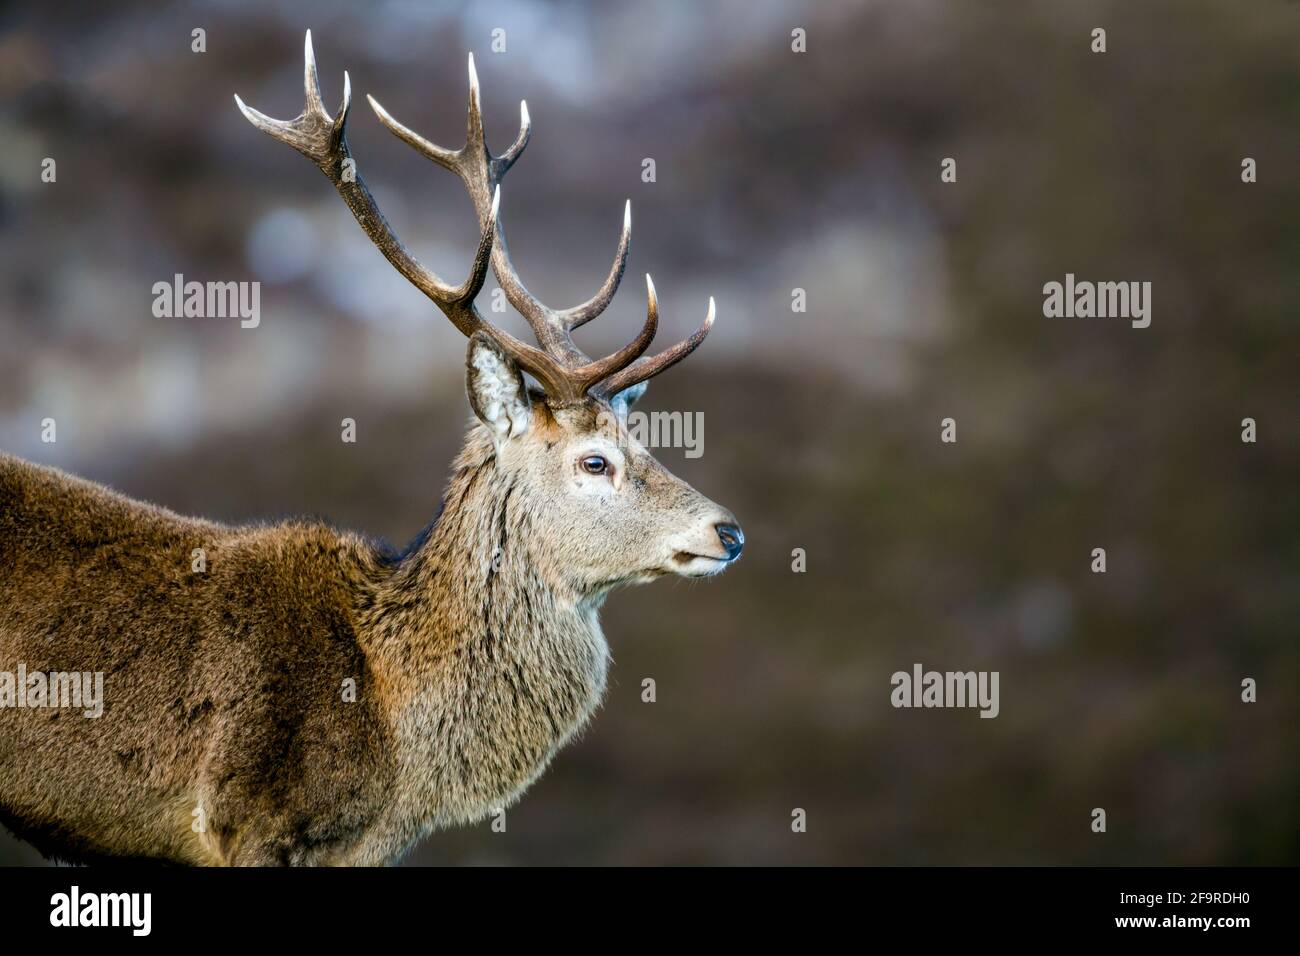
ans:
(692, 565)
(686, 557)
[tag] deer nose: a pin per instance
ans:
(732, 538)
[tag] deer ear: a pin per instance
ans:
(496, 389)
(626, 398)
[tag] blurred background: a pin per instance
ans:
(775, 170)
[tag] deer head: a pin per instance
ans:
(600, 510)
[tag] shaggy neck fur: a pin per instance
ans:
(489, 661)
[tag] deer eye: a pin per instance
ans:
(595, 465)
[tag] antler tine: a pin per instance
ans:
(507, 159)
(310, 79)
(595, 372)
(580, 315)
(474, 135)
(446, 158)
(649, 366)
(468, 290)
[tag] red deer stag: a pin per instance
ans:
(228, 734)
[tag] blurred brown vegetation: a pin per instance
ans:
(776, 170)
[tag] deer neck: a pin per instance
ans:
(486, 667)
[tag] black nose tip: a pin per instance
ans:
(732, 538)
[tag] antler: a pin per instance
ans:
(565, 372)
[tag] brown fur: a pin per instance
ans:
(476, 655)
